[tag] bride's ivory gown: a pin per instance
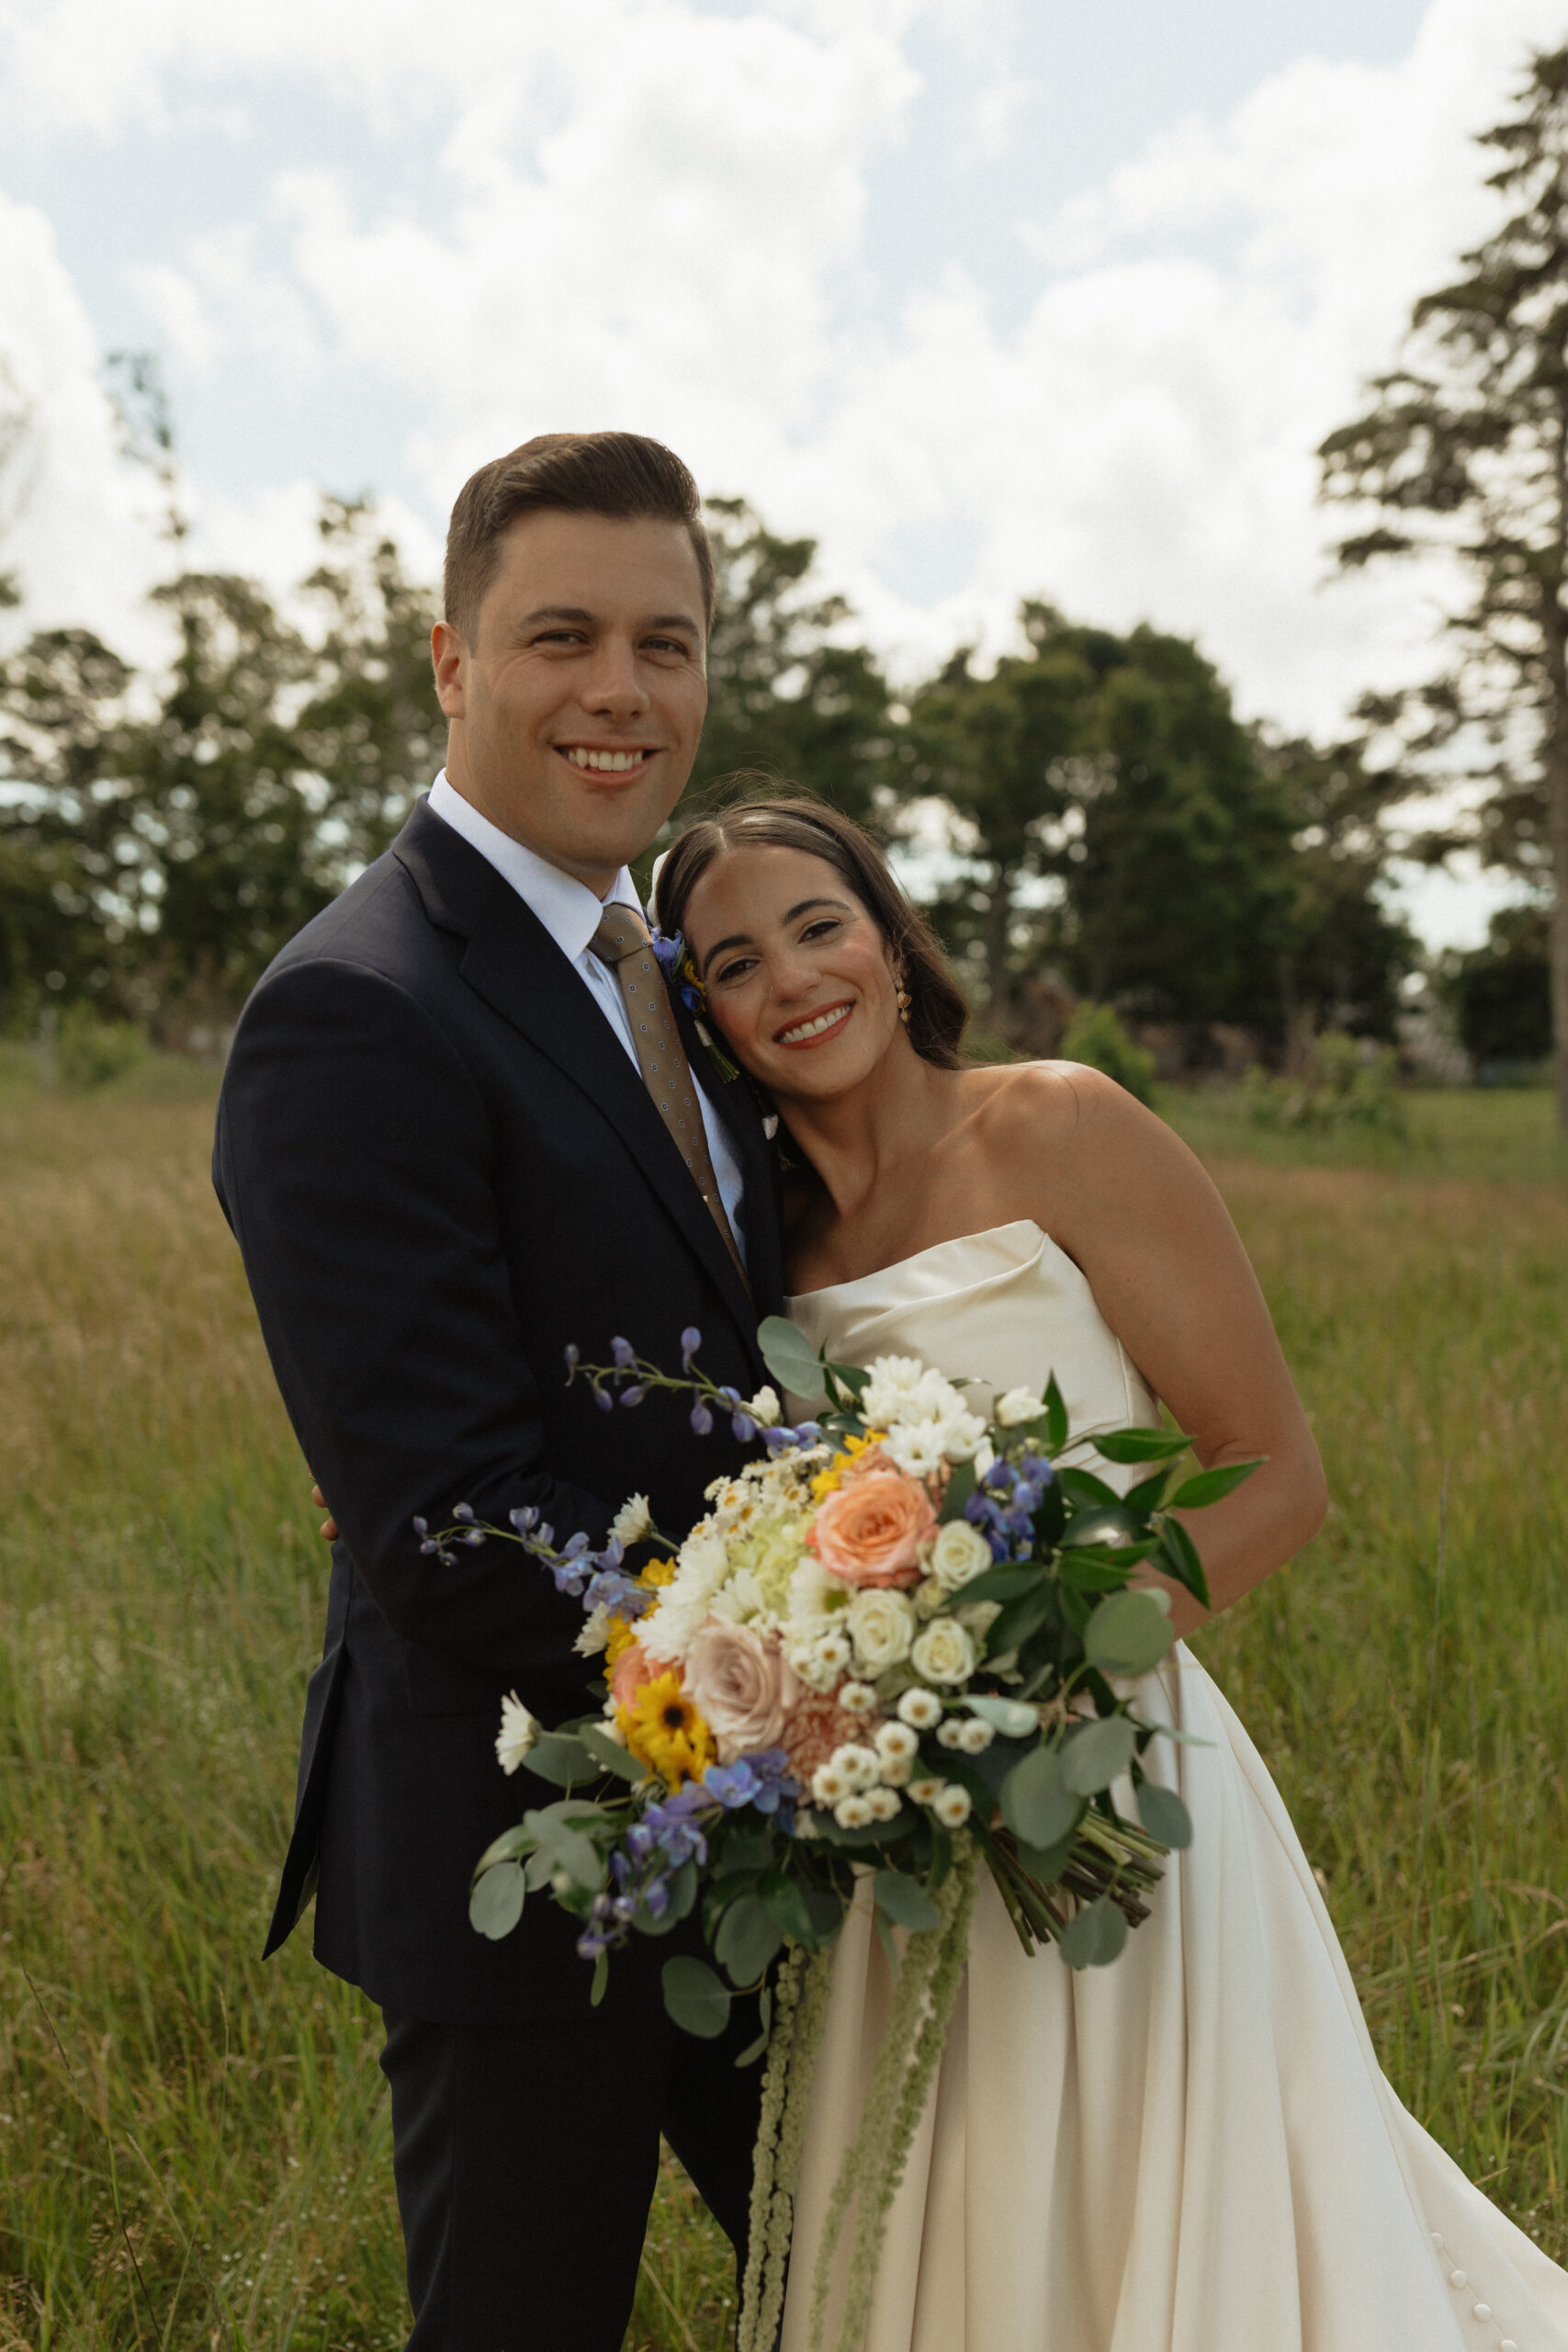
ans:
(1192, 2150)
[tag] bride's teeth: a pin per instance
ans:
(814, 1028)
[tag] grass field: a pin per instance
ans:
(193, 2147)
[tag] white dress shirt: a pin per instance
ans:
(570, 913)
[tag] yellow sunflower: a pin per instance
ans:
(664, 1731)
(826, 1482)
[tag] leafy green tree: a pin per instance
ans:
(1117, 822)
(786, 698)
(372, 730)
(1464, 450)
(1342, 953)
(1502, 993)
(72, 907)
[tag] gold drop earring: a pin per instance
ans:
(904, 1002)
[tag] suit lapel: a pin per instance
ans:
(513, 964)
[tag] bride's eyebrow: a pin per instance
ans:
(744, 938)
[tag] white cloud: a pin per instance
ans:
(77, 524)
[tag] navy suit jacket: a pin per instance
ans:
(441, 1167)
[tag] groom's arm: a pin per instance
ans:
(355, 1163)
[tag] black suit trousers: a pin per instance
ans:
(525, 2161)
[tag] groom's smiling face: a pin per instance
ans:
(576, 711)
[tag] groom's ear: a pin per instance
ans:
(449, 658)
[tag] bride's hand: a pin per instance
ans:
(329, 1525)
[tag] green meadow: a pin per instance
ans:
(194, 2148)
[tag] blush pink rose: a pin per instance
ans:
(633, 1668)
(742, 1686)
(871, 1530)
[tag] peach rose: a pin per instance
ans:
(871, 1531)
(742, 1686)
(633, 1668)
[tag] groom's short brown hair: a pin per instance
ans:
(623, 475)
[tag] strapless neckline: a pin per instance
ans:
(1020, 1225)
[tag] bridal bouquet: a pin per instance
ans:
(897, 1648)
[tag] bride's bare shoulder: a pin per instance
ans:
(1065, 1126)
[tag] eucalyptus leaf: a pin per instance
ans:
(1093, 1758)
(495, 1905)
(748, 1938)
(683, 1895)
(1010, 1716)
(960, 1487)
(506, 1848)
(599, 1986)
(905, 1901)
(1047, 1863)
(1141, 1445)
(1004, 1583)
(792, 1359)
(567, 1847)
(1037, 1805)
(611, 1754)
(566, 1761)
(825, 1909)
(695, 1997)
(785, 1902)
(1129, 1634)
(1212, 1486)
(1094, 1936)
(1164, 1815)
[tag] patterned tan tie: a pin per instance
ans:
(622, 942)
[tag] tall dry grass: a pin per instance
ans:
(193, 2147)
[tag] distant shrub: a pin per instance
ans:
(90, 1051)
(1095, 1035)
(1347, 1083)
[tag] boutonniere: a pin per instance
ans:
(682, 976)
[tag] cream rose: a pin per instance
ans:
(882, 1627)
(871, 1531)
(959, 1552)
(741, 1685)
(944, 1652)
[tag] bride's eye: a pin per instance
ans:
(823, 928)
(736, 970)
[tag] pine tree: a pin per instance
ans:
(1465, 451)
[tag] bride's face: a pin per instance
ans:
(799, 981)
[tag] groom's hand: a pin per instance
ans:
(329, 1525)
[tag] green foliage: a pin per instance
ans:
(90, 1052)
(1342, 1084)
(1502, 993)
(1095, 1035)
(788, 699)
(1462, 453)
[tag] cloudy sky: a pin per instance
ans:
(991, 296)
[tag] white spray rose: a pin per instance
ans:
(763, 1408)
(882, 1627)
(944, 1652)
(958, 1552)
(1019, 1405)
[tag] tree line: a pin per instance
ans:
(1089, 818)
(1096, 820)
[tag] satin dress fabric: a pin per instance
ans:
(1194, 2149)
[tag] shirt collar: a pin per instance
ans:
(566, 908)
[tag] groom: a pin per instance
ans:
(463, 1127)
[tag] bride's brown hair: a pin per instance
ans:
(938, 1013)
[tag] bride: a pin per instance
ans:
(1192, 2150)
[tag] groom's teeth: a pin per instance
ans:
(612, 760)
(815, 1028)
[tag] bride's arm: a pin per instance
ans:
(1128, 1201)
